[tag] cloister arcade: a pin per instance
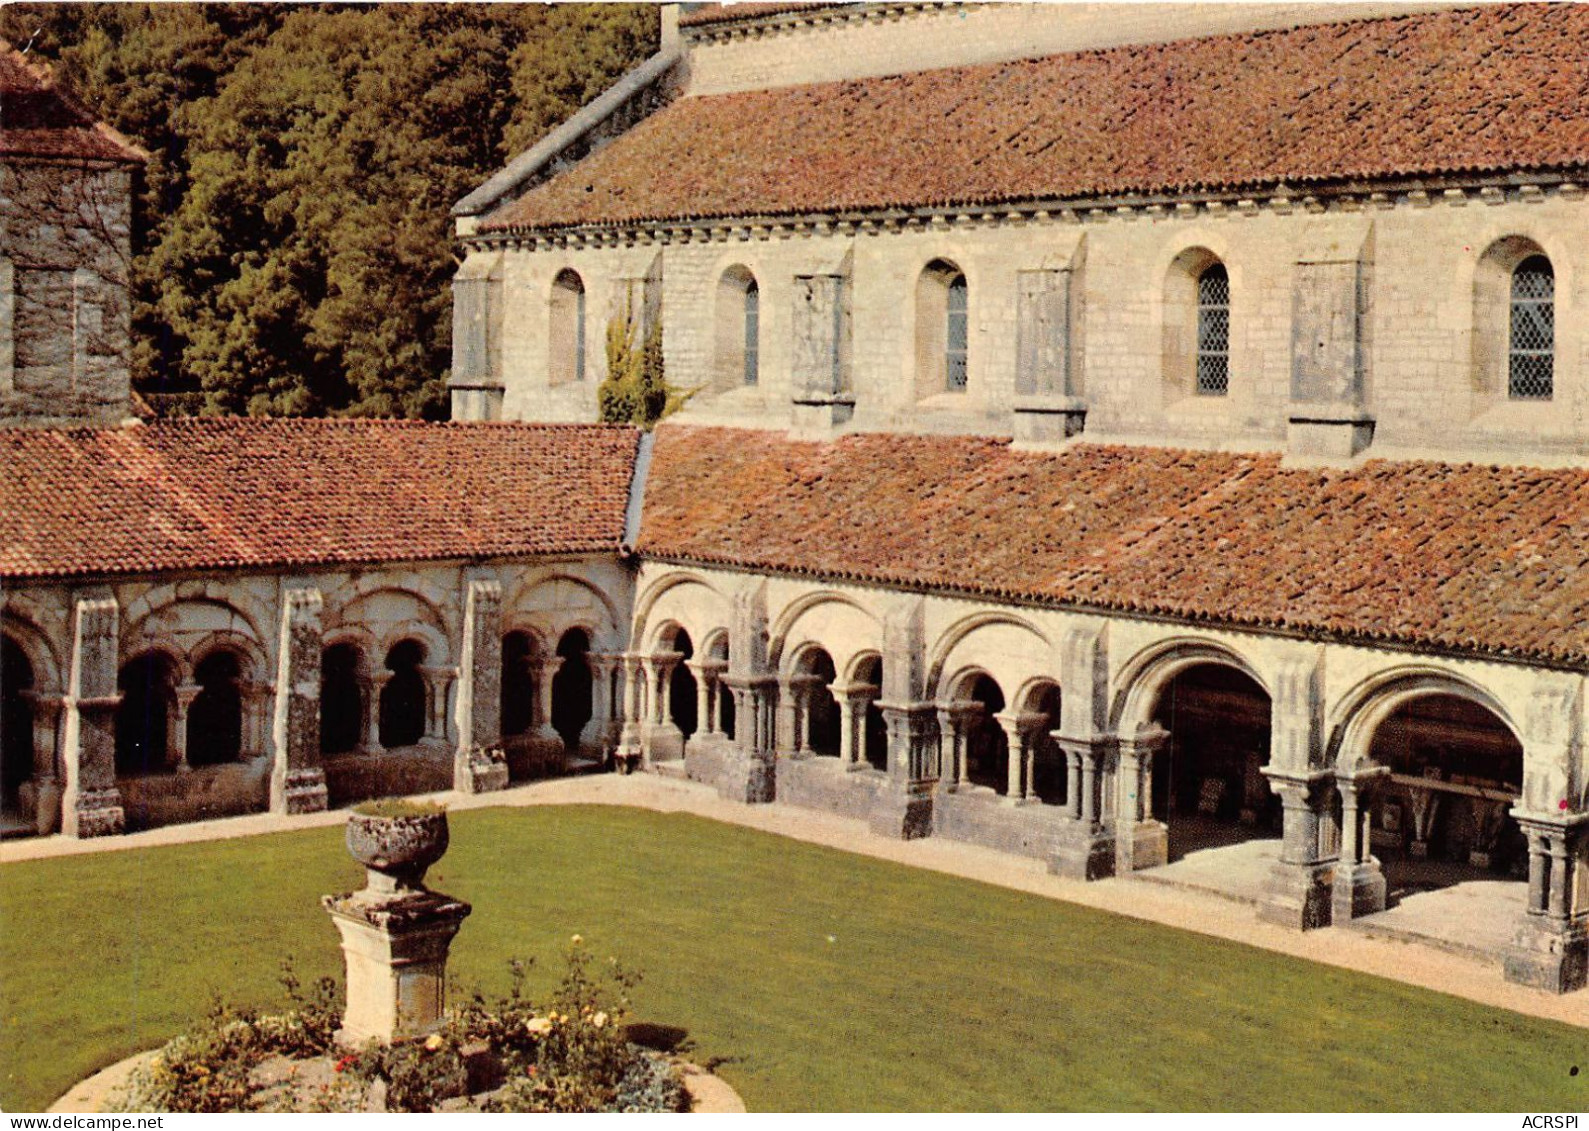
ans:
(1364, 779)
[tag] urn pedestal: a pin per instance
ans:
(395, 932)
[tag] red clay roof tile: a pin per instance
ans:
(38, 119)
(1455, 92)
(231, 493)
(1464, 557)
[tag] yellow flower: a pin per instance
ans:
(433, 1042)
(538, 1025)
(599, 1020)
(578, 940)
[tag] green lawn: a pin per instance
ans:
(821, 980)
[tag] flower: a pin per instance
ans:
(538, 1025)
(346, 1063)
(578, 940)
(600, 1019)
(433, 1042)
(1564, 805)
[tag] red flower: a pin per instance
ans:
(346, 1063)
(1564, 805)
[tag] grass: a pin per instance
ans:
(820, 980)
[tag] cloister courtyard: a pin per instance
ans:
(814, 966)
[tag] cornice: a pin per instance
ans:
(1354, 197)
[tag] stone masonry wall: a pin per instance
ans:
(1431, 388)
(64, 312)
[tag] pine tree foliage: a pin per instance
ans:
(293, 251)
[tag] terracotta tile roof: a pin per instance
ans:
(1499, 87)
(703, 14)
(1477, 559)
(224, 493)
(38, 119)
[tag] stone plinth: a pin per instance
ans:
(396, 954)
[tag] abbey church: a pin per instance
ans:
(1109, 434)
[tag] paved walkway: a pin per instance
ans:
(1462, 974)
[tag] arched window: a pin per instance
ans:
(566, 340)
(954, 354)
(738, 330)
(942, 330)
(1213, 331)
(1532, 343)
(752, 333)
(16, 720)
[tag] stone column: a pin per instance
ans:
(629, 742)
(376, 683)
(1017, 732)
(479, 764)
(701, 670)
(1550, 948)
(438, 681)
(1299, 892)
(297, 779)
(46, 779)
(903, 809)
(955, 719)
(603, 709)
(1143, 842)
(749, 766)
(1087, 849)
(664, 742)
(177, 728)
(545, 671)
(853, 700)
(1359, 884)
(91, 803)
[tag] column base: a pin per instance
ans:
(1083, 854)
(747, 778)
(1548, 956)
(664, 742)
(1148, 846)
(902, 813)
(1358, 890)
(94, 813)
(395, 950)
(479, 771)
(1300, 896)
(298, 791)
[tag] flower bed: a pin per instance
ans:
(571, 1054)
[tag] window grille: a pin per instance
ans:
(1531, 352)
(1213, 332)
(955, 338)
(752, 333)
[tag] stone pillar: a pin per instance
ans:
(1359, 887)
(629, 741)
(749, 766)
(702, 671)
(820, 359)
(1550, 949)
(1018, 741)
(47, 711)
(1142, 841)
(664, 742)
(545, 671)
(1327, 418)
(91, 803)
(438, 681)
(479, 764)
(376, 683)
(603, 708)
(955, 720)
(853, 700)
(1300, 889)
(1087, 849)
(297, 779)
(177, 726)
(903, 808)
(1047, 406)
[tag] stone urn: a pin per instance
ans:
(396, 843)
